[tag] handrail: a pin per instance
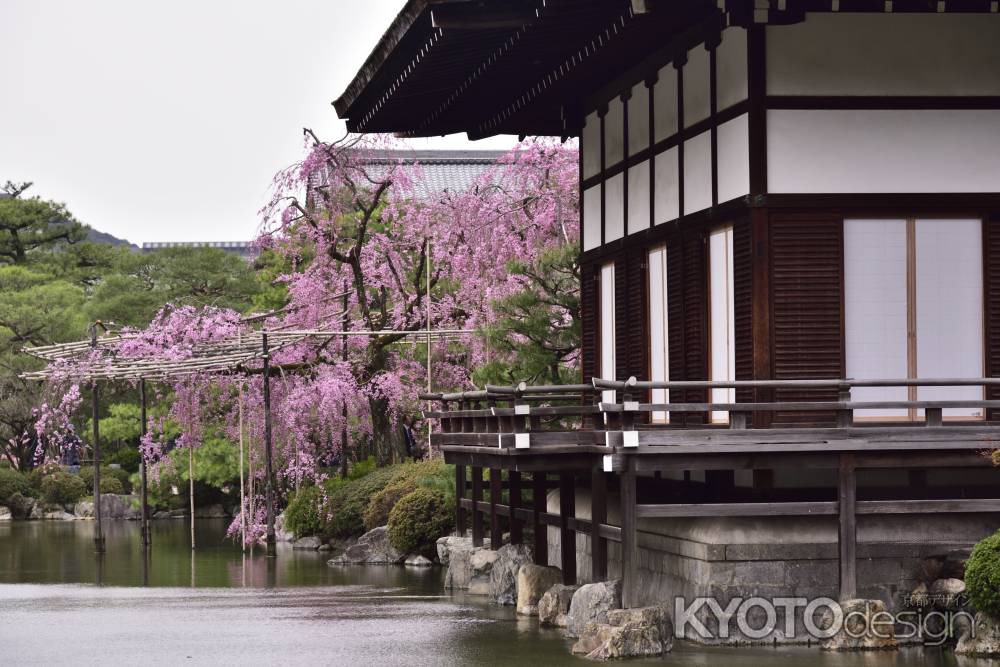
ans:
(831, 383)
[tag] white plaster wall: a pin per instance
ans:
(666, 185)
(733, 143)
(592, 217)
(697, 91)
(665, 103)
(638, 197)
(815, 151)
(731, 82)
(591, 145)
(614, 208)
(698, 173)
(885, 54)
(614, 133)
(638, 119)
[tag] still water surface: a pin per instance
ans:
(60, 604)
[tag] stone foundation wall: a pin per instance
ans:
(771, 557)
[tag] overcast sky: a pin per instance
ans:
(165, 121)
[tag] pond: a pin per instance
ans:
(60, 604)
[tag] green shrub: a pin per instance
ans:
(63, 488)
(362, 468)
(377, 512)
(121, 476)
(348, 500)
(128, 458)
(305, 514)
(111, 485)
(11, 482)
(39, 473)
(418, 520)
(982, 576)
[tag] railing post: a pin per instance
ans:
(598, 516)
(934, 417)
(514, 491)
(567, 536)
(845, 418)
(538, 508)
(459, 497)
(848, 534)
(477, 516)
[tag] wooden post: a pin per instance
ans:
(567, 536)
(143, 484)
(459, 497)
(477, 516)
(848, 538)
(538, 508)
(514, 491)
(96, 418)
(598, 515)
(630, 548)
(496, 498)
(343, 406)
(271, 542)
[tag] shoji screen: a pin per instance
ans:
(722, 329)
(914, 308)
(875, 305)
(607, 311)
(659, 356)
(949, 281)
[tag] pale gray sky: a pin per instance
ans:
(165, 121)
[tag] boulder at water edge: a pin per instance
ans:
(84, 509)
(865, 627)
(603, 641)
(947, 594)
(592, 602)
(372, 548)
(210, 512)
(532, 583)
(469, 567)
(503, 576)
(280, 534)
(5, 514)
(984, 642)
(658, 616)
(554, 605)
(416, 560)
(308, 543)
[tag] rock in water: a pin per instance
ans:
(984, 642)
(601, 641)
(113, 506)
(308, 543)
(84, 509)
(503, 576)
(20, 506)
(947, 594)
(592, 602)
(657, 616)
(59, 515)
(532, 583)
(5, 514)
(416, 560)
(554, 605)
(372, 548)
(866, 627)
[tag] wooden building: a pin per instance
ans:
(790, 240)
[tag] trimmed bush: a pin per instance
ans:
(982, 576)
(305, 515)
(11, 482)
(349, 499)
(377, 512)
(111, 485)
(39, 473)
(418, 520)
(121, 476)
(63, 488)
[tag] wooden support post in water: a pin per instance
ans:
(567, 536)
(143, 484)
(271, 542)
(496, 498)
(514, 491)
(477, 516)
(630, 547)
(459, 497)
(538, 508)
(598, 515)
(848, 537)
(96, 418)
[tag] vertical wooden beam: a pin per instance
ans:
(848, 537)
(460, 521)
(496, 498)
(538, 508)
(598, 515)
(567, 536)
(630, 555)
(514, 491)
(96, 418)
(143, 483)
(477, 516)
(270, 540)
